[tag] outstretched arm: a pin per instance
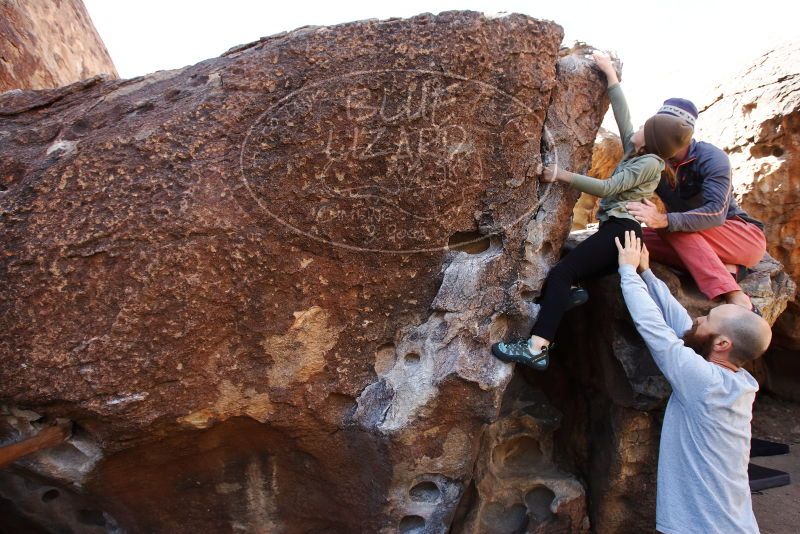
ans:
(687, 372)
(635, 173)
(618, 103)
(673, 312)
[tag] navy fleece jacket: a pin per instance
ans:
(703, 196)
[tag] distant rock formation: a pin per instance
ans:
(49, 43)
(755, 118)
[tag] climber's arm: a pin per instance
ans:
(622, 115)
(687, 372)
(618, 103)
(633, 174)
(674, 314)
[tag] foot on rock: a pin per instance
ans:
(520, 351)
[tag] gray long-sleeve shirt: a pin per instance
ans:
(705, 439)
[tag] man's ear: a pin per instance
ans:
(722, 344)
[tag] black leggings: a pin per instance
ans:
(596, 256)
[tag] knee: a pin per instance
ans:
(755, 257)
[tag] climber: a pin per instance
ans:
(49, 436)
(705, 439)
(634, 179)
(705, 231)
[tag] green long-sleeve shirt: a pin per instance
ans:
(633, 180)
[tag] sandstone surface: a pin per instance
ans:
(264, 286)
(755, 118)
(49, 43)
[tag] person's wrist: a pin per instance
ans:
(564, 176)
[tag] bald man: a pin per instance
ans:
(705, 439)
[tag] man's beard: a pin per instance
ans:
(702, 345)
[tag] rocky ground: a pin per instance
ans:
(778, 420)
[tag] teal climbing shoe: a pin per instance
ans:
(519, 351)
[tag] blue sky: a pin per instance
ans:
(678, 48)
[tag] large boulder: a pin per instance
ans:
(264, 286)
(755, 118)
(46, 44)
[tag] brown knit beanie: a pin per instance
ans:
(665, 135)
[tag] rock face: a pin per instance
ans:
(517, 485)
(755, 118)
(606, 155)
(49, 44)
(264, 286)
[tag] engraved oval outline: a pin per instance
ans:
(443, 74)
